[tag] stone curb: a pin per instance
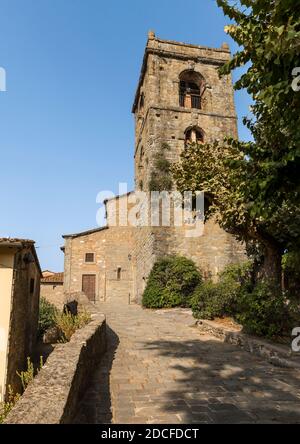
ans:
(53, 396)
(278, 355)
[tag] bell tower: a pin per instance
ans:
(180, 99)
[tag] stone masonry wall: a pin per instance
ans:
(24, 316)
(54, 395)
(112, 247)
(53, 293)
(159, 119)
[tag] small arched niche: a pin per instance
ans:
(191, 88)
(193, 134)
(142, 102)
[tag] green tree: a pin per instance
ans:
(254, 187)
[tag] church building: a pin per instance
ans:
(180, 99)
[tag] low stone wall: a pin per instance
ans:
(53, 396)
(278, 355)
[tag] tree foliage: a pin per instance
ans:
(254, 187)
(47, 316)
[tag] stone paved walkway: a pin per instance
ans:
(159, 368)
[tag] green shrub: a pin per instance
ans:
(28, 375)
(211, 300)
(6, 407)
(68, 323)
(26, 378)
(261, 309)
(171, 283)
(47, 316)
(264, 312)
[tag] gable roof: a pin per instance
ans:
(21, 243)
(84, 233)
(56, 278)
(15, 242)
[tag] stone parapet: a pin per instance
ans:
(54, 395)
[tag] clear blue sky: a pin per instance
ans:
(66, 131)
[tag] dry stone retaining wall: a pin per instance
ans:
(53, 396)
(276, 354)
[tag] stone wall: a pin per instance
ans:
(112, 247)
(24, 315)
(53, 293)
(160, 119)
(211, 252)
(277, 354)
(54, 395)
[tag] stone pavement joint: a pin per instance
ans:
(160, 369)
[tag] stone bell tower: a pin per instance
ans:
(180, 99)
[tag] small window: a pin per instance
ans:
(194, 135)
(119, 273)
(32, 285)
(89, 257)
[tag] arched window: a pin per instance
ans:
(194, 135)
(191, 88)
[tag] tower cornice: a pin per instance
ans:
(170, 49)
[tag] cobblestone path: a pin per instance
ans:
(159, 368)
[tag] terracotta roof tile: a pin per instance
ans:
(56, 278)
(12, 241)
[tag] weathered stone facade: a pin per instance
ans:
(180, 98)
(111, 269)
(164, 116)
(159, 117)
(52, 289)
(54, 394)
(20, 291)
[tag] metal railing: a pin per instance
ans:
(195, 101)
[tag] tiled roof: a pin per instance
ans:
(21, 243)
(119, 196)
(47, 273)
(13, 241)
(56, 278)
(85, 233)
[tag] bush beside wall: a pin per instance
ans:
(171, 283)
(260, 308)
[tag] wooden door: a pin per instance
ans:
(89, 286)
